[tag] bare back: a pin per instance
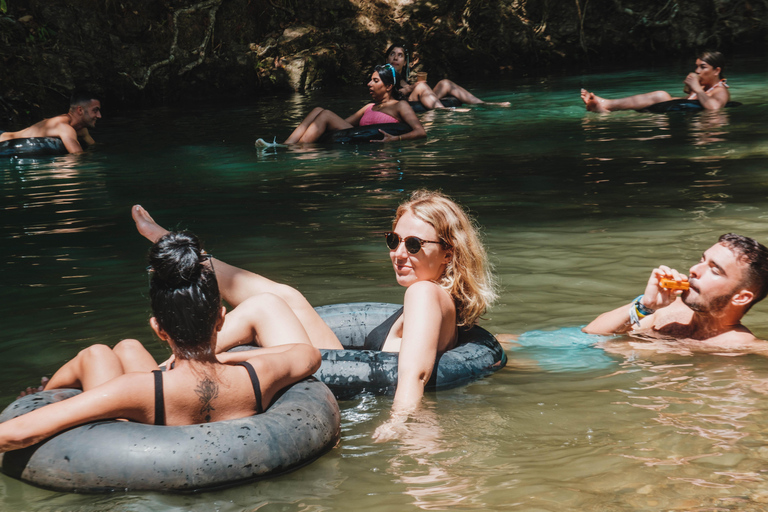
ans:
(58, 126)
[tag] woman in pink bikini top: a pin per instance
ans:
(385, 109)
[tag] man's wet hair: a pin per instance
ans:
(81, 98)
(755, 255)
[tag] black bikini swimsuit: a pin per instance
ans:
(376, 338)
(160, 399)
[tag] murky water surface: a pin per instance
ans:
(577, 208)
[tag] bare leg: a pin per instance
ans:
(315, 124)
(423, 93)
(595, 103)
(447, 88)
(264, 319)
(98, 364)
(237, 285)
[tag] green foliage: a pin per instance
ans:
(41, 35)
(3, 7)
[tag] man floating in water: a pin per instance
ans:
(84, 110)
(703, 311)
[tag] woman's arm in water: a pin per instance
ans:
(428, 311)
(408, 116)
(129, 396)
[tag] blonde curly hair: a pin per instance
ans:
(468, 276)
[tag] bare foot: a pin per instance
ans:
(593, 102)
(32, 390)
(498, 103)
(146, 225)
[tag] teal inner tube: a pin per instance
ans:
(33, 146)
(682, 105)
(362, 134)
(448, 101)
(302, 424)
(353, 371)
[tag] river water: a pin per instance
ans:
(576, 208)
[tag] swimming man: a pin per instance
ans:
(730, 278)
(84, 110)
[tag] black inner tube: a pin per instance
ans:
(33, 146)
(448, 101)
(367, 133)
(681, 105)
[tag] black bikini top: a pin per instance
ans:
(378, 335)
(160, 398)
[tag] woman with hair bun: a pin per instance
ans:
(437, 255)
(386, 108)
(200, 386)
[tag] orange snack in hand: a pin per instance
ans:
(671, 284)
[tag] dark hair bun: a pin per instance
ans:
(176, 259)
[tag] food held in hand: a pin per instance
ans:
(671, 284)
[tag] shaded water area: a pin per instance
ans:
(577, 208)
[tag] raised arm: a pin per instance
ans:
(620, 321)
(715, 99)
(129, 396)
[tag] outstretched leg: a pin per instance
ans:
(423, 93)
(237, 285)
(315, 125)
(595, 103)
(264, 319)
(447, 88)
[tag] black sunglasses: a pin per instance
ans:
(413, 244)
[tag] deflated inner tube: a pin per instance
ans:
(448, 101)
(683, 105)
(366, 133)
(302, 424)
(33, 146)
(354, 371)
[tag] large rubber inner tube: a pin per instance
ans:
(33, 146)
(359, 134)
(448, 101)
(681, 106)
(298, 427)
(354, 371)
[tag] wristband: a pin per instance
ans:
(637, 311)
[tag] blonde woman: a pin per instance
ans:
(437, 256)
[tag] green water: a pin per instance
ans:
(577, 208)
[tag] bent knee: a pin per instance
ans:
(660, 96)
(127, 346)
(96, 352)
(262, 304)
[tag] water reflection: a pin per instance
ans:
(576, 210)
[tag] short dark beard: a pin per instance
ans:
(715, 306)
